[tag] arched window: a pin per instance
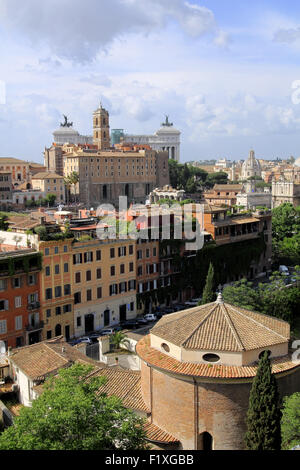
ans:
(263, 352)
(165, 347)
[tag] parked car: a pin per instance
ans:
(284, 270)
(117, 328)
(179, 307)
(85, 339)
(106, 331)
(129, 324)
(94, 337)
(150, 317)
(73, 342)
(167, 310)
(142, 321)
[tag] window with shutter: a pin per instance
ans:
(3, 327)
(18, 323)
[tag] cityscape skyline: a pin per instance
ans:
(223, 73)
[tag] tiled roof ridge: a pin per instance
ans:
(67, 360)
(185, 313)
(257, 322)
(232, 327)
(198, 326)
(27, 346)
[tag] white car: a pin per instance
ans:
(284, 270)
(150, 317)
(107, 331)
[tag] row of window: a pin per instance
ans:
(32, 300)
(59, 310)
(18, 325)
(17, 282)
(114, 289)
(56, 269)
(57, 292)
(78, 297)
(88, 256)
(33, 320)
(88, 274)
(55, 250)
(150, 269)
(147, 286)
(148, 253)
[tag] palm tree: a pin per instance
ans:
(118, 339)
(74, 179)
(68, 184)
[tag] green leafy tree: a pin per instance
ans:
(272, 298)
(191, 185)
(216, 178)
(50, 199)
(71, 414)
(208, 291)
(263, 416)
(242, 294)
(285, 221)
(290, 422)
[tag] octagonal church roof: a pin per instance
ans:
(219, 326)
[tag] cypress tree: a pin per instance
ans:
(264, 415)
(208, 294)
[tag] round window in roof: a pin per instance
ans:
(165, 347)
(263, 352)
(211, 357)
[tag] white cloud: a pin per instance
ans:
(287, 36)
(222, 39)
(77, 30)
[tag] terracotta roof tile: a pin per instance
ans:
(156, 434)
(163, 361)
(125, 384)
(221, 327)
(42, 359)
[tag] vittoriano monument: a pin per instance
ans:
(167, 123)
(66, 123)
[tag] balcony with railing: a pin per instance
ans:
(33, 305)
(35, 326)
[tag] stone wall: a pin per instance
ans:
(186, 407)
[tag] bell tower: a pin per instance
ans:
(101, 135)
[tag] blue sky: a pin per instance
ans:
(222, 69)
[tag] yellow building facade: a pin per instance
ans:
(50, 183)
(103, 283)
(57, 299)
